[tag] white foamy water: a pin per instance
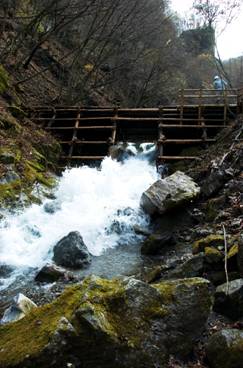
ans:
(89, 200)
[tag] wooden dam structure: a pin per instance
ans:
(87, 133)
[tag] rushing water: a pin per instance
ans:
(102, 204)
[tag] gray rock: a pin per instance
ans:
(123, 323)
(191, 268)
(20, 307)
(155, 243)
(51, 273)
(224, 349)
(71, 252)
(230, 302)
(141, 230)
(169, 193)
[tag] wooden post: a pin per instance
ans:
(51, 121)
(74, 138)
(200, 107)
(181, 106)
(225, 92)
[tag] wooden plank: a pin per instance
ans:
(83, 157)
(83, 142)
(81, 127)
(175, 158)
(192, 126)
(186, 141)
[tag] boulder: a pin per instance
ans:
(169, 193)
(225, 349)
(123, 323)
(71, 252)
(154, 243)
(20, 307)
(51, 273)
(191, 268)
(229, 299)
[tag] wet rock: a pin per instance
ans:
(141, 230)
(169, 193)
(122, 151)
(71, 252)
(20, 307)
(51, 273)
(224, 349)
(191, 268)
(155, 243)
(5, 270)
(229, 299)
(51, 207)
(111, 323)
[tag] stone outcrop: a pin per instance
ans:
(71, 252)
(110, 323)
(225, 349)
(169, 193)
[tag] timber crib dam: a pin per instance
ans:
(87, 133)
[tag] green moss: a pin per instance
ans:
(233, 251)
(4, 80)
(213, 255)
(210, 241)
(22, 337)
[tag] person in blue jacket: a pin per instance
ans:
(219, 83)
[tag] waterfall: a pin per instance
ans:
(101, 203)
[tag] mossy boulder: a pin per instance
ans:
(225, 349)
(215, 240)
(110, 323)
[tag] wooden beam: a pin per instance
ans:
(177, 158)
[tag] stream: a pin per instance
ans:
(101, 203)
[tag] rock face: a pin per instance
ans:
(169, 193)
(225, 349)
(71, 251)
(20, 307)
(122, 323)
(230, 302)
